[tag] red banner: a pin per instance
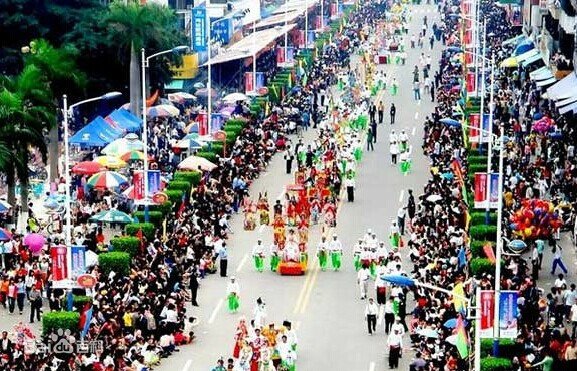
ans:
(474, 125)
(334, 10)
(471, 82)
(488, 250)
(58, 255)
(468, 38)
(469, 57)
(318, 22)
(138, 182)
(299, 38)
(480, 187)
(248, 82)
(280, 56)
(487, 306)
(202, 120)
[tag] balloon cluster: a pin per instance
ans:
(535, 219)
(543, 124)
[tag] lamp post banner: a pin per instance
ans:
(508, 312)
(58, 255)
(487, 306)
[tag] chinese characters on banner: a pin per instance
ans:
(487, 305)
(508, 312)
(481, 191)
(248, 82)
(58, 255)
(198, 29)
(471, 83)
(78, 261)
(138, 182)
(474, 134)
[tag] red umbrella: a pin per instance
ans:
(87, 168)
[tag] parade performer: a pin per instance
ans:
(382, 253)
(357, 250)
(249, 215)
(303, 227)
(287, 355)
(404, 140)
(274, 256)
(232, 290)
(405, 162)
(291, 250)
(245, 357)
(241, 334)
(277, 208)
(336, 249)
(329, 213)
(263, 209)
(322, 253)
(259, 314)
(258, 255)
(279, 230)
(291, 212)
(394, 235)
(381, 289)
(266, 362)
(394, 87)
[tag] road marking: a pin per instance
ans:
(242, 262)
(416, 115)
(187, 365)
(307, 296)
(401, 195)
(302, 293)
(414, 130)
(261, 228)
(372, 366)
(215, 311)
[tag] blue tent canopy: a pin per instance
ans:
(125, 120)
(98, 133)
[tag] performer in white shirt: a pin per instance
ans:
(232, 290)
(371, 313)
(357, 250)
(363, 276)
(258, 255)
(336, 249)
(274, 258)
(322, 253)
(395, 344)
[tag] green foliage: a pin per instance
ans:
(477, 168)
(496, 364)
(478, 218)
(233, 128)
(148, 230)
(477, 248)
(193, 177)
(154, 217)
(127, 244)
(477, 160)
(183, 185)
(54, 321)
(79, 301)
(507, 348)
(210, 156)
(174, 195)
(116, 261)
(217, 148)
(481, 265)
(483, 232)
(236, 122)
(165, 208)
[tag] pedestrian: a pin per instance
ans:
(432, 91)
(363, 280)
(540, 245)
(223, 257)
(372, 112)
(389, 316)
(258, 255)
(370, 145)
(193, 285)
(350, 184)
(395, 343)
(392, 113)
(12, 294)
(401, 219)
(35, 304)
(374, 128)
(371, 311)
(232, 291)
(417, 90)
(431, 41)
(573, 316)
(20, 294)
(394, 150)
(289, 157)
(381, 111)
(411, 207)
(558, 259)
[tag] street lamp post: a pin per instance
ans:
(145, 65)
(67, 198)
(285, 31)
(209, 62)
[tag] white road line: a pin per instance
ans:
(372, 366)
(416, 115)
(401, 195)
(187, 365)
(215, 311)
(241, 264)
(261, 229)
(414, 130)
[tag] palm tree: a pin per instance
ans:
(133, 26)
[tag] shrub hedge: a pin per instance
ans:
(184, 185)
(79, 301)
(483, 232)
(53, 321)
(496, 364)
(481, 265)
(477, 168)
(210, 156)
(507, 348)
(175, 196)
(154, 217)
(477, 248)
(116, 261)
(477, 160)
(126, 244)
(148, 230)
(193, 177)
(478, 218)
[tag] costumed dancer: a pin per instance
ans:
(291, 250)
(258, 255)
(322, 253)
(394, 87)
(315, 210)
(232, 290)
(405, 162)
(394, 235)
(274, 257)
(291, 212)
(245, 357)
(329, 213)
(241, 334)
(336, 249)
(263, 209)
(279, 231)
(357, 250)
(249, 214)
(259, 314)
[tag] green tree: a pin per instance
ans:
(131, 27)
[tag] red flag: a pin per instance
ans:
(182, 207)
(139, 234)
(83, 315)
(488, 250)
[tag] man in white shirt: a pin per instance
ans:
(363, 280)
(398, 326)
(395, 344)
(401, 219)
(258, 255)
(371, 312)
(350, 184)
(336, 249)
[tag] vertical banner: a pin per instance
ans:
(202, 120)
(198, 29)
(311, 39)
(317, 22)
(298, 37)
(471, 84)
(487, 306)
(468, 38)
(469, 57)
(333, 10)
(78, 261)
(58, 255)
(508, 312)
(153, 182)
(138, 183)
(474, 121)
(280, 56)
(480, 190)
(260, 80)
(290, 55)
(248, 82)
(216, 122)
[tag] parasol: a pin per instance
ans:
(88, 168)
(111, 162)
(106, 179)
(112, 216)
(195, 162)
(163, 110)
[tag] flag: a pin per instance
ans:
(462, 257)
(290, 80)
(182, 207)
(462, 340)
(86, 324)
(458, 297)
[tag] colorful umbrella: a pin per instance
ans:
(163, 110)
(4, 206)
(131, 142)
(235, 97)
(450, 122)
(88, 168)
(509, 62)
(428, 333)
(191, 128)
(203, 92)
(5, 235)
(106, 179)
(112, 216)
(110, 162)
(195, 162)
(189, 143)
(133, 156)
(399, 280)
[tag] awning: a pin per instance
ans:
(279, 19)
(563, 102)
(294, 5)
(547, 82)
(542, 73)
(514, 40)
(537, 57)
(564, 88)
(570, 107)
(251, 44)
(527, 55)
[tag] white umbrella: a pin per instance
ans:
(123, 145)
(434, 198)
(451, 339)
(235, 97)
(91, 258)
(195, 162)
